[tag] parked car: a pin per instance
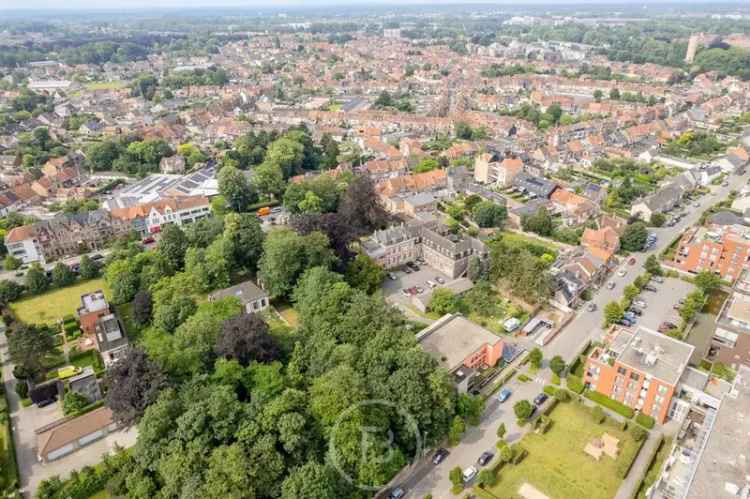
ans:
(413, 266)
(397, 493)
(485, 458)
(637, 311)
(625, 322)
(504, 395)
(658, 279)
(629, 315)
(540, 399)
(611, 285)
(431, 284)
(392, 276)
(420, 290)
(631, 261)
(666, 326)
(622, 272)
(591, 307)
(440, 280)
(439, 456)
(639, 303)
(469, 473)
(651, 288)
(696, 205)
(407, 270)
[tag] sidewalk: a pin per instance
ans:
(629, 485)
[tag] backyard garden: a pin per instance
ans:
(49, 307)
(556, 464)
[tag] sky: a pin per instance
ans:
(141, 4)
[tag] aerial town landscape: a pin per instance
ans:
(349, 250)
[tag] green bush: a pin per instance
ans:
(22, 389)
(611, 404)
(645, 421)
(575, 383)
(638, 433)
(523, 378)
(550, 390)
(562, 395)
(519, 453)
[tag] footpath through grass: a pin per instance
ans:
(557, 465)
(48, 307)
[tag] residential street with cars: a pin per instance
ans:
(433, 479)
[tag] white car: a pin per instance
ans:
(622, 272)
(469, 473)
(431, 284)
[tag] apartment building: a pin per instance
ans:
(149, 218)
(63, 236)
(640, 369)
(720, 250)
(449, 253)
(489, 168)
(462, 347)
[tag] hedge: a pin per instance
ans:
(611, 404)
(644, 420)
(575, 383)
(550, 390)
(623, 466)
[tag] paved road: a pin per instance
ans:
(434, 479)
(587, 325)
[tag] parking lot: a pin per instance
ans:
(393, 289)
(660, 304)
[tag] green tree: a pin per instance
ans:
(28, 347)
(457, 430)
(236, 189)
(613, 312)
(614, 94)
(487, 478)
(88, 269)
(365, 273)
(536, 357)
(286, 255)
(123, 280)
(657, 219)
(598, 94)
(634, 237)
(242, 240)
(540, 223)
(11, 263)
(62, 275)
(557, 365)
(426, 165)
(523, 409)
(10, 291)
(456, 476)
(36, 279)
(707, 282)
(268, 179)
(173, 245)
(489, 214)
(652, 265)
(501, 431)
(470, 408)
(310, 481)
(311, 203)
(444, 301)
(287, 155)
(630, 292)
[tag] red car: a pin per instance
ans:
(631, 261)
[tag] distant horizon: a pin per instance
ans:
(161, 5)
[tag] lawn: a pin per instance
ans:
(9, 474)
(556, 464)
(47, 308)
(527, 241)
(106, 85)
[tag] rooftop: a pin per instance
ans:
(245, 292)
(656, 354)
(93, 302)
(724, 468)
(453, 338)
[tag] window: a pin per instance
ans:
(622, 370)
(635, 376)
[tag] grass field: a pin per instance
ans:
(53, 305)
(106, 85)
(556, 464)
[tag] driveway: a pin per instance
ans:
(26, 420)
(434, 479)
(587, 325)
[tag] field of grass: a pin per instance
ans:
(106, 85)
(47, 308)
(517, 239)
(556, 464)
